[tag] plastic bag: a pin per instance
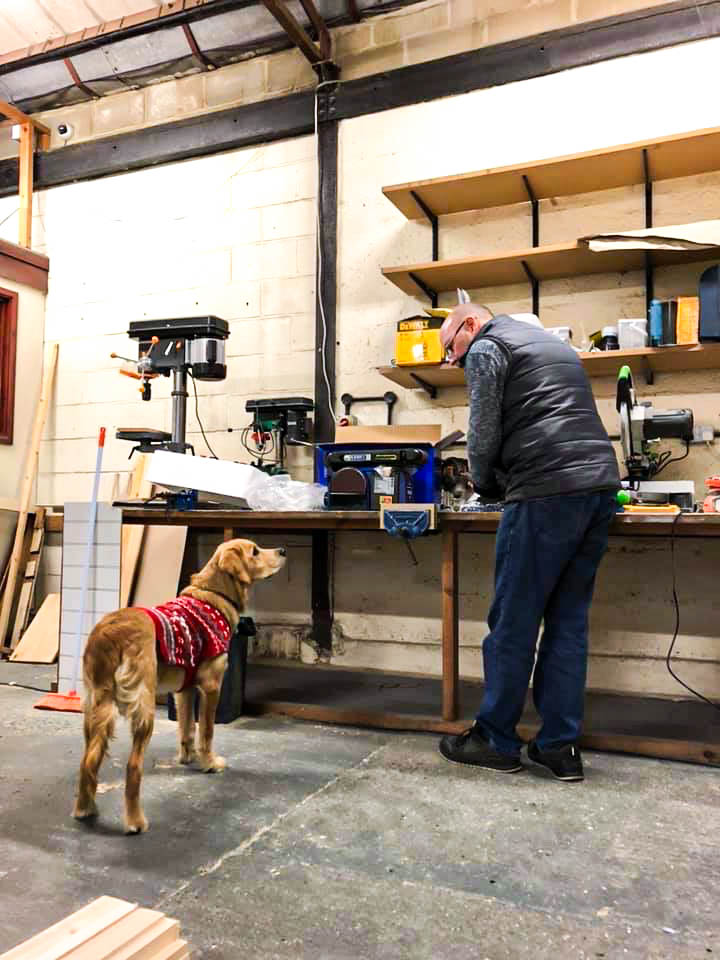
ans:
(283, 493)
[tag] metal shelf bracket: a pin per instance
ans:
(429, 388)
(427, 290)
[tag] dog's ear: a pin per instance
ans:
(233, 561)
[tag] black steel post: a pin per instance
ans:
(649, 272)
(326, 272)
(325, 336)
(322, 613)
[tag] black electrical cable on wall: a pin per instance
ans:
(197, 416)
(676, 602)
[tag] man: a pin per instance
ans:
(535, 436)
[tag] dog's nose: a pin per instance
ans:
(282, 551)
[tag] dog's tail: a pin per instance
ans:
(132, 692)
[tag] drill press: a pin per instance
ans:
(188, 345)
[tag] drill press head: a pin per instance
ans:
(180, 346)
(193, 344)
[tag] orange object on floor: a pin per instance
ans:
(63, 702)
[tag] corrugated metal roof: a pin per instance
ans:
(26, 22)
(109, 62)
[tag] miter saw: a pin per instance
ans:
(641, 430)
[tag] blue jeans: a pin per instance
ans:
(547, 555)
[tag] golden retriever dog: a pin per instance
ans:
(121, 668)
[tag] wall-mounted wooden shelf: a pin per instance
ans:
(644, 360)
(680, 155)
(549, 262)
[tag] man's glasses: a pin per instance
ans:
(448, 349)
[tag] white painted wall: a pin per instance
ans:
(232, 235)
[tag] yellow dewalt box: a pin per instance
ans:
(418, 341)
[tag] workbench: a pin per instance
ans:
(682, 729)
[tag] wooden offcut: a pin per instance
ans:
(106, 929)
(28, 483)
(132, 537)
(27, 588)
(41, 641)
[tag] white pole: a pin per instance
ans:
(88, 556)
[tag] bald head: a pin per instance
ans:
(461, 327)
(465, 311)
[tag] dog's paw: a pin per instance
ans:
(85, 812)
(212, 764)
(133, 827)
(185, 757)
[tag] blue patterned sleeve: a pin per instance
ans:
(485, 372)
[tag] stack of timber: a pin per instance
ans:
(106, 928)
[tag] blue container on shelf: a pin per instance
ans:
(655, 323)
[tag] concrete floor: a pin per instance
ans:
(320, 842)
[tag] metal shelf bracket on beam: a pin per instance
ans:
(432, 217)
(535, 283)
(429, 388)
(535, 206)
(648, 371)
(427, 290)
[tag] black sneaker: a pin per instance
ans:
(471, 747)
(565, 763)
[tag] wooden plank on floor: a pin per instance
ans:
(160, 565)
(41, 641)
(55, 942)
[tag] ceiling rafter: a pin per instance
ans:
(297, 34)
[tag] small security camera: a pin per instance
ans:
(65, 130)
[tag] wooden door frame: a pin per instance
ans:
(8, 360)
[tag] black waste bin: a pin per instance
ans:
(232, 693)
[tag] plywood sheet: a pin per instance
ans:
(160, 564)
(41, 641)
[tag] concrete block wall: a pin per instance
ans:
(632, 615)
(230, 235)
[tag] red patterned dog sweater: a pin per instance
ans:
(187, 632)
